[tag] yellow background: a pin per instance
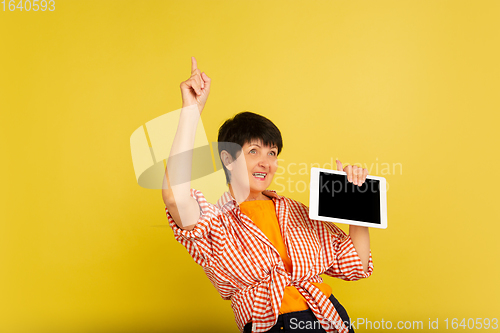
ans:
(83, 248)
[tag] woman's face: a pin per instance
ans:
(257, 170)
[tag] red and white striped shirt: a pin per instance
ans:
(246, 268)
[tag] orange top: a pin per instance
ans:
(263, 214)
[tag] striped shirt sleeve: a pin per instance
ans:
(346, 264)
(199, 241)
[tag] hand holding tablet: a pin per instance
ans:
(334, 199)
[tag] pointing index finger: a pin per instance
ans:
(194, 64)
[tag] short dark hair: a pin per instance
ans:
(243, 128)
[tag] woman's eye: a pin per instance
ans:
(253, 151)
(273, 153)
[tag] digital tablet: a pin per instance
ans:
(334, 199)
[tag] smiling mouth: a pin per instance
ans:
(259, 175)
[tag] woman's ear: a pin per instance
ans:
(227, 159)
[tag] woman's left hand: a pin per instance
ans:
(355, 174)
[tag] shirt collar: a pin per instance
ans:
(227, 200)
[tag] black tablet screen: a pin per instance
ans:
(340, 199)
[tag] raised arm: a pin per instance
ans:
(360, 236)
(176, 183)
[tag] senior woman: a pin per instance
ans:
(259, 249)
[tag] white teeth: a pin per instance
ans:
(259, 174)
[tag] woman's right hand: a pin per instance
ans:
(195, 90)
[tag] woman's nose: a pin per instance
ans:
(264, 162)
